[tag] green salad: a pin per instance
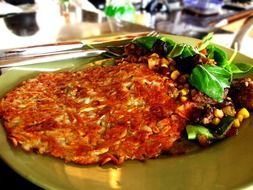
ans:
(209, 72)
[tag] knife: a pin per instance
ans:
(63, 55)
(40, 49)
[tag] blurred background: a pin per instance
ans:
(44, 21)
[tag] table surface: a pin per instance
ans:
(35, 28)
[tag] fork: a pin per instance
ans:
(59, 51)
(54, 48)
(118, 51)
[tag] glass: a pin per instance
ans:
(120, 9)
(64, 9)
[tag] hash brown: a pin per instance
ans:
(99, 115)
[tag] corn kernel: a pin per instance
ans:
(216, 121)
(184, 91)
(175, 74)
(183, 98)
(240, 117)
(153, 61)
(244, 112)
(164, 62)
(154, 55)
(205, 121)
(218, 113)
(236, 123)
(229, 110)
(181, 108)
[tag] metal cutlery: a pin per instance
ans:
(61, 51)
(41, 49)
(21, 61)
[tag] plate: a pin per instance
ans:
(226, 165)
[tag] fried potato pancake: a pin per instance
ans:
(99, 115)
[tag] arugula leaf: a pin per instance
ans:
(176, 51)
(168, 41)
(217, 54)
(224, 76)
(211, 80)
(182, 50)
(239, 70)
(146, 41)
(194, 130)
(206, 41)
(188, 51)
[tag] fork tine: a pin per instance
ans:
(110, 50)
(153, 33)
(114, 51)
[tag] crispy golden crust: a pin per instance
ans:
(100, 115)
